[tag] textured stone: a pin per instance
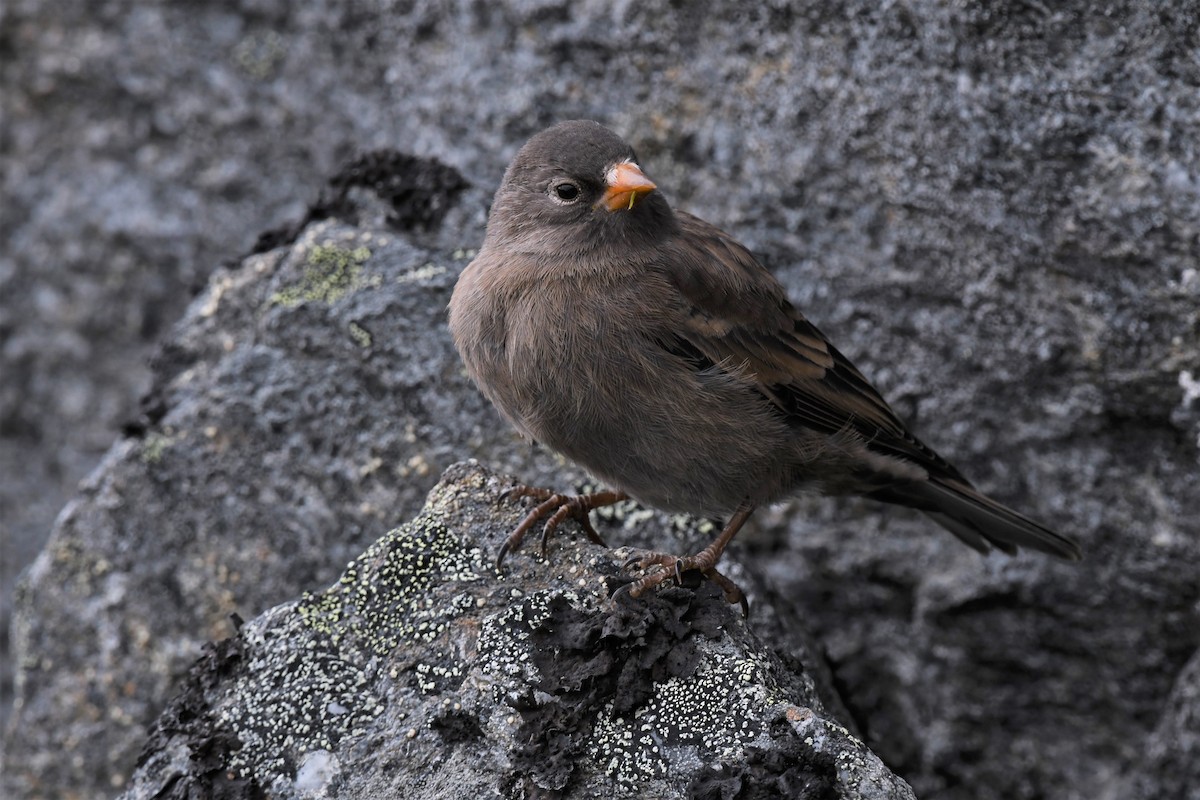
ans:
(425, 673)
(992, 208)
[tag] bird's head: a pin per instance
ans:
(576, 189)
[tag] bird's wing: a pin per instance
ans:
(738, 317)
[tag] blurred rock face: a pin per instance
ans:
(1008, 194)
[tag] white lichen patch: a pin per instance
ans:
(359, 334)
(323, 687)
(308, 701)
(382, 599)
(433, 678)
(504, 641)
(711, 715)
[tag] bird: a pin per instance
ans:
(654, 350)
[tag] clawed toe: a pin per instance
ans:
(520, 490)
(644, 559)
(673, 568)
(558, 507)
(733, 592)
(659, 567)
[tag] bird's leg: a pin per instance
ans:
(562, 506)
(705, 562)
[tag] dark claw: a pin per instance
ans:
(621, 591)
(590, 530)
(546, 531)
(632, 561)
(500, 555)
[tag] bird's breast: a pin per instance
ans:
(580, 367)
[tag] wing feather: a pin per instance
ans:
(795, 366)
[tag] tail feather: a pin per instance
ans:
(979, 520)
(969, 536)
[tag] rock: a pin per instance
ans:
(330, 361)
(424, 673)
(1173, 749)
(992, 210)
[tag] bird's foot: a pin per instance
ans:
(558, 507)
(681, 569)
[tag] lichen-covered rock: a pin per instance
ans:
(425, 673)
(992, 208)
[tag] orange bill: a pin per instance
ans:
(626, 183)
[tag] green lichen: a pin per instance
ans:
(360, 334)
(330, 272)
(422, 274)
(260, 55)
(154, 446)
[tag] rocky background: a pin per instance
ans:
(994, 209)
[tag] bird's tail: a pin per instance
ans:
(978, 520)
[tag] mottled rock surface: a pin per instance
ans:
(993, 209)
(424, 673)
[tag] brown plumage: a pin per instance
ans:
(654, 350)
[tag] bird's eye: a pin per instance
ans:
(566, 191)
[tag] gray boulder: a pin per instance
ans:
(992, 209)
(424, 673)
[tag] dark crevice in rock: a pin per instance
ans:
(417, 191)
